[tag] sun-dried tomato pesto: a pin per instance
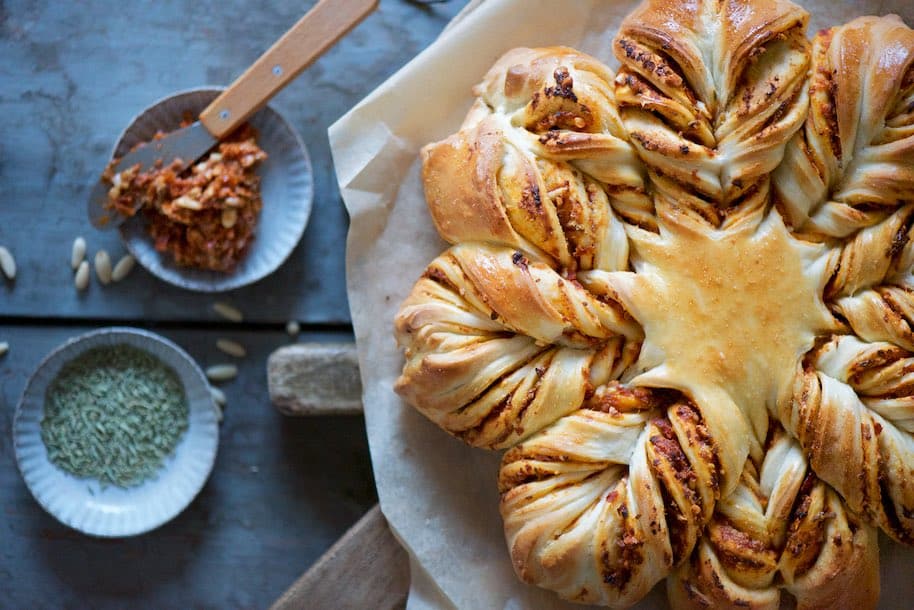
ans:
(205, 216)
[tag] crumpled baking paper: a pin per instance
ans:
(438, 494)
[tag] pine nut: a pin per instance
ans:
(123, 268)
(232, 348)
(103, 267)
(82, 276)
(233, 314)
(7, 263)
(79, 252)
(221, 372)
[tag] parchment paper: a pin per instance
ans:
(438, 494)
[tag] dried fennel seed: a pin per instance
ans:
(114, 414)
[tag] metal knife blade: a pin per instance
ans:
(187, 144)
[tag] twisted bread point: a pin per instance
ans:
(782, 528)
(602, 504)
(853, 161)
(872, 288)
(711, 92)
(533, 164)
(852, 411)
(498, 345)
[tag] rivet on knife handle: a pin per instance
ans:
(314, 33)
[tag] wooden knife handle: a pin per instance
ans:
(314, 33)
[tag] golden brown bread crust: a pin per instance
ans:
(538, 162)
(460, 177)
(499, 345)
(710, 93)
(624, 310)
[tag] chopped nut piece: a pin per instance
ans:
(229, 217)
(188, 203)
(218, 395)
(292, 328)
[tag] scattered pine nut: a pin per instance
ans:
(293, 328)
(7, 263)
(232, 348)
(123, 268)
(81, 281)
(4, 347)
(233, 314)
(103, 267)
(222, 372)
(79, 252)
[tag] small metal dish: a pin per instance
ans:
(113, 511)
(286, 187)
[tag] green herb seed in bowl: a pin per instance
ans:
(116, 432)
(114, 414)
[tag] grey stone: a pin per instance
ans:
(315, 379)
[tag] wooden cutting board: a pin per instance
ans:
(366, 568)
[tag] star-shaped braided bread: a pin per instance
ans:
(681, 297)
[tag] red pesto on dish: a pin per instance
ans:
(205, 216)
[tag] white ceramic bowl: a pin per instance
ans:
(286, 187)
(113, 511)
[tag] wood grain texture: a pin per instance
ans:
(282, 491)
(315, 379)
(74, 75)
(366, 568)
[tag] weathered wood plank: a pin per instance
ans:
(366, 568)
(73, 75)
(282, 491)
(315, 379)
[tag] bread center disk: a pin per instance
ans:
(728, 310)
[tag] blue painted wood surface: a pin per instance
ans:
(281, 492)
(72, 75)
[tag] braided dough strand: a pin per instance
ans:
(782, 528)
(538, 161)
(872, 287)
(852, 411)
(711, 92)
(602, 504)
(853, 161)
(498, 345)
